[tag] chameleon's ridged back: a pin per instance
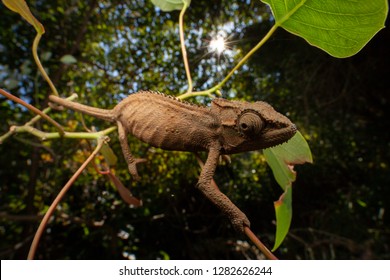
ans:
(165, 121)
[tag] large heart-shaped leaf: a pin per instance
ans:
(341, 28)
(171, 5)
(282, 159)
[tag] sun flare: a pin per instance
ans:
(217, 45)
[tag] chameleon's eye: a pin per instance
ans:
(250, 124)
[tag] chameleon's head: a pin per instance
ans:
(250, 126)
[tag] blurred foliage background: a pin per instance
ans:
(341, 202)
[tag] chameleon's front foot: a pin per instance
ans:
(231, 211)
(133, 168)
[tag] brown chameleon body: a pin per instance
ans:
(226, 127)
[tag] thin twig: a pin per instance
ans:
(33, 109)
(193, 94)
(59, 197)
(259, 244)
(54, 135)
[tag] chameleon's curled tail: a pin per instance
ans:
(92, 111)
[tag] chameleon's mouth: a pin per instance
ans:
(280, 136)
(269, 138)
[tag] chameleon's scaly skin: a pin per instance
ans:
(226, 127)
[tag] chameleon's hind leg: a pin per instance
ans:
(236, 216)
(131, 161)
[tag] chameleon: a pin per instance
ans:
(223, 128)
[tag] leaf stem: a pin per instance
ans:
(183, 47)
(39, 64)
(240, 63)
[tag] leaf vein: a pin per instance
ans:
(345, 14)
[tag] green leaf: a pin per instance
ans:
(341, 28)
(68, 59)
(282, 159)
(171, 5)
(11, 83)
(25, 68)
(283, 213)
(20, 7)
(109, 155)
(45, 56)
